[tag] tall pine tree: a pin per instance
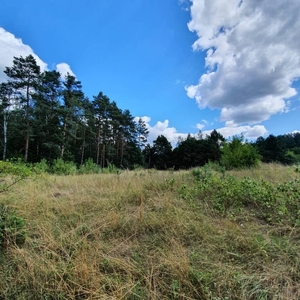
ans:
(24, 79)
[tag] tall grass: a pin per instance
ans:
(146, 235)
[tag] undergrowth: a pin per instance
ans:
(274, 203)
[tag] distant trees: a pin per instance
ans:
(237, 154)
(197, 151)
(283, 148)
(162, 153)
(50, 117)
(45, 116)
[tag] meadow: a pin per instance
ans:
(146, 234)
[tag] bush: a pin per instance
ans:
(111, 169)
(89, 167)
(42, 166)
(12, 172)
(61, 167)
(274, 203)
(238, 155)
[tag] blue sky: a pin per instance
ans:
(181, 65)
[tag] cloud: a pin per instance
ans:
(184, 4)
(161, 128)
(249, 132)
(200, 126)
(11, 46)
(252, 57)
(64, 69)
(171, 133)
(178, 81)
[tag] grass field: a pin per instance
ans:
(155, 235)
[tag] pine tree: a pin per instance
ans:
(47, 116)
(6, 98)
(71, 112)
(162, 153)
(101, 106)
(24, 79)
(142, 133)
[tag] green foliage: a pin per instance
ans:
(282, 148)
(290, 158)
(24, 77)
(197, 151)
(237, 155)
(227, 194)
(202, 174)
(11, 227)
(61, 167)
(12, 172)
(162, 153)
(42, 166)
(53, 119)
(216, 167)
(111, 169)
(89, 167)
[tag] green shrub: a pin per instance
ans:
(61, 167)
(237, 154)
(89, 167)
(274, 203)
(202, 174)
(42, 166)
(111, 169)
(12, 172)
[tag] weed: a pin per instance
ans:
(11, 227)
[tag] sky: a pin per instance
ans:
(181, 65)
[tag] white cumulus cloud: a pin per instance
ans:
(161, 128)
(64, 69)
(249, 132)
(11, 46)
(252, 57)
(171, 133)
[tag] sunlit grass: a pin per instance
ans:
(133, 236)
(274, 173)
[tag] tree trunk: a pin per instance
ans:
(27, 125)
(98, 146)
(5, 135)
(82, 148)
(63, 141)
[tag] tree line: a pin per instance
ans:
(46, 117)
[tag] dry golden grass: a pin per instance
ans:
(274, 173)
(131, 236)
